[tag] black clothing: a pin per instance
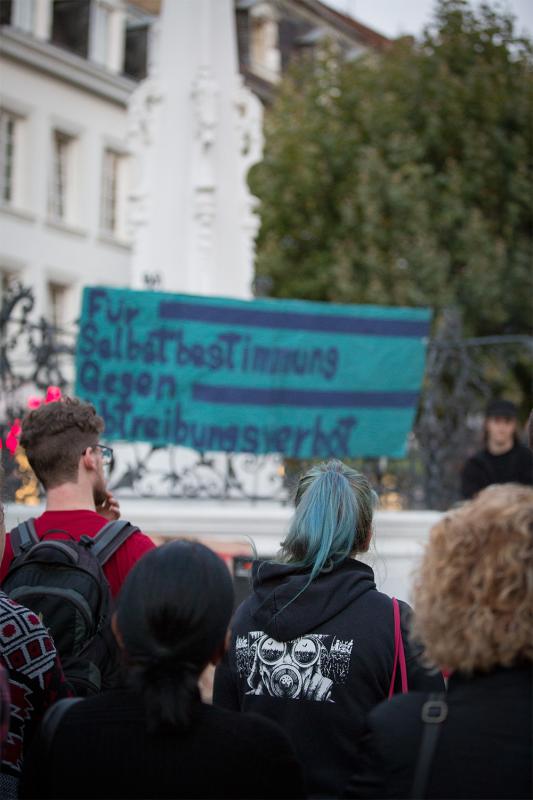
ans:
(484, 469)
(317, 665)
(484, 749)
(102, 749)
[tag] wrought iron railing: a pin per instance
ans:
(460, 376)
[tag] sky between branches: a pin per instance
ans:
(396, 17)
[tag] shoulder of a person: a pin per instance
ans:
(395, 724)
(9, 607)
(242, 617)
(137, 540)
(402, 709)
(23, 626)
(109, 702)
(384, 603)
(139, 536)
(135, 546)
(525, 453)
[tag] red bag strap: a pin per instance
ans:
(399, 652)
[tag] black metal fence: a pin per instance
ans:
(461, 375)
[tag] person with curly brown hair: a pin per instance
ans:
(68, 564)
(62, 444)
(473, 609)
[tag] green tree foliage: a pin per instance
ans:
(405, 178)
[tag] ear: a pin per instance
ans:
(88, 459)
(116, 632)
(218, 655)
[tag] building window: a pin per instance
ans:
(62, 184)
(136, 50)
(107, 34)
(114, 190)
(8, 278)
(57, 304)
(6, 7)
(70, 25)
(8, 132)
(100, 34)
(12, 161)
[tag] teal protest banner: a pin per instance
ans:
(304, 379)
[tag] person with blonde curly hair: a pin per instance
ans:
(474, 615)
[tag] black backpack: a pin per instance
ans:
(63, 582)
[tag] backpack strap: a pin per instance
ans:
(433, 713)
(110, 538)
(23, 536)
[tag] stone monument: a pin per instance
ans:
(195, 130)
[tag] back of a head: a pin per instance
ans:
(333, 517)
(474, 591)
(173, 612)
(55, 435)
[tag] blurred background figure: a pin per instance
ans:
(475, 620)
(156, 738)
(503, 459)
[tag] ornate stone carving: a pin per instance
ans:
(204, 98)
(142, 113)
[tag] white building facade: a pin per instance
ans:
(93, 194)
(64, 162)
(100, 171)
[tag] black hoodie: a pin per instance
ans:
(485, 468)
(318, 664)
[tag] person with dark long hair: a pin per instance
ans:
(155, 738)
(315, 646)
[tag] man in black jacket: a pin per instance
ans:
(503, 459)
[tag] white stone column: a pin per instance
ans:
(194, 130)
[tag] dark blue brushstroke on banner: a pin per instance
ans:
(259, 318)
(303, 398)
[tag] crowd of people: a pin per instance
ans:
(324, 686)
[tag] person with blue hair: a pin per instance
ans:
(316, 645)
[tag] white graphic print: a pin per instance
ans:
(304, 669)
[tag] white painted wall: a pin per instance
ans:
(29, 241)
(399, 536)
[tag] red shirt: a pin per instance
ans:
(77, 523)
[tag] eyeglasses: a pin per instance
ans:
(105, 452)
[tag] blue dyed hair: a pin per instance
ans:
(333, 518)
